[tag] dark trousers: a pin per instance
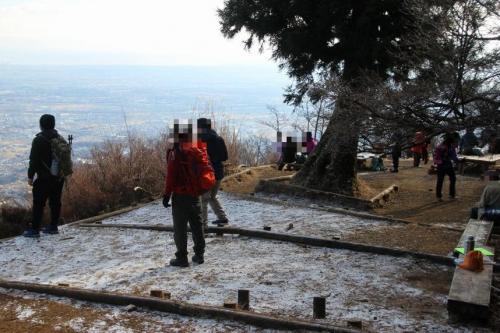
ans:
(416, 159)
(425, 156)
(443, 170)
(43, 189)
(395, 161)
(186, 208)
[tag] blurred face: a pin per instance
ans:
(181, 132)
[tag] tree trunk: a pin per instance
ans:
(332, 165)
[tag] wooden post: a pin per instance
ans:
(244, 299)
(160, 294)
(319, 307)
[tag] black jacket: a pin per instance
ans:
(41, 154)
(217, 151)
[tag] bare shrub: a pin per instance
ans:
(13, 219)
(111, 180)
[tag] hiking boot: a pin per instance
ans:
(198, 258)
(51, 230)
(179, 262)
(226, 221)
(31, 233)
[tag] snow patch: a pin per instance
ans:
(24, 313)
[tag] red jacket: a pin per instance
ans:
(176, 179)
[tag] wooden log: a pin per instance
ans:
(312, 241)
(244, 172)
(384, 195)
(280, 179)
(319, 307)
(244, 299)
(219, 231)
(176, 307)
(98, 218)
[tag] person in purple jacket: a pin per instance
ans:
(444, 154)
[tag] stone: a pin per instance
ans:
(130, 308)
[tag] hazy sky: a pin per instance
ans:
(151, 32)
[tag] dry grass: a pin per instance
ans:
(13, 218)
(249, 150)
(116, 169)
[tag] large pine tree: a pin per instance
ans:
(347, 38)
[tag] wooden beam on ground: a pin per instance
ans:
(104, 216)
(470, 292)
(244, 172)
(312, 241)
(176, 307)
(280, 178)
(384, 196)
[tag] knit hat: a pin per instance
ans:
(47, 122)
(204, 123)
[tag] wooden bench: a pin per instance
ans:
(469, 296)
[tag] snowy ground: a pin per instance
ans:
(389, 294)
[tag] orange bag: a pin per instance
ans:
(198, 172)
(473, 261)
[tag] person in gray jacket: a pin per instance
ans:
(488, 207)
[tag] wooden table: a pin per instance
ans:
(485, 161)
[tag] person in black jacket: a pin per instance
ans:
(45, 185)
(217, 153)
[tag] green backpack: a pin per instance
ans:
(62, 165)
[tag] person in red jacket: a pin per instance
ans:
(419, 149)
(186, 203)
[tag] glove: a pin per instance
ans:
(166, 199)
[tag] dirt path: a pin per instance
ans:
(415, 202)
